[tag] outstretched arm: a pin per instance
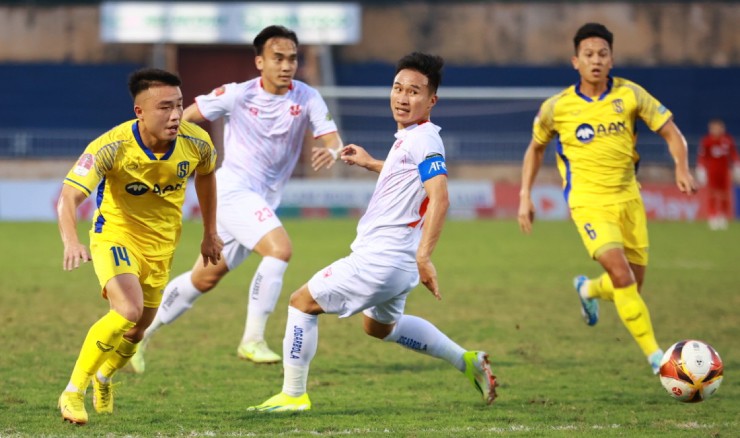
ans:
(211, 245)
(353, 154)
(328, 153)
(74, 251)
(192, 114)
(434, 220)
(679, 151)
(530, 166)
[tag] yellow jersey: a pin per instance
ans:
(596, 153)
(139, 194)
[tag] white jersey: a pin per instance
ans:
(389, 231)
(264, 132)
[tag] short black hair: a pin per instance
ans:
(428, 65)
(145, 78)
(274, 31)
(589, 30)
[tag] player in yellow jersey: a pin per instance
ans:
(594, 122)
(138, 172)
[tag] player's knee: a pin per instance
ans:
(376, 329)
(135, 335)
(282, 252)
(303, 301)
(207, 279)
(621, 278)
(130, 312)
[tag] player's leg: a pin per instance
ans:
(126, 305)
(299, 348)
(599, 229)
(421, 336)
(630, 306)
(626, 268)
(103, 380)
(276, 250)
(180, 295)
(724, 204)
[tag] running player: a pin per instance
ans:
(594, 121)
(717, 157)
(138, 171)
(265, 122)
(392, 252)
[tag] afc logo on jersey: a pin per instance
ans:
(295, 110)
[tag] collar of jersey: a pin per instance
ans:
(609, 85)
(147, 151)
(402, 133)
(262, 87)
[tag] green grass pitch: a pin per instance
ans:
(502, 291)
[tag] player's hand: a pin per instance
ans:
(428, 277)
(323, 157)
(74, 254)
(685, 181)
(210, 249)
(353, 154)
(525, 215)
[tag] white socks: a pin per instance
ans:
(422, 336)
(263, 295)
(299, 347)
(178, 297)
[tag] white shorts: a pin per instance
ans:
(243, 219)
(352, 284)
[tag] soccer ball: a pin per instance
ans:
(691, 371)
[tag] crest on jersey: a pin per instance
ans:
(618, 105)
(585, 133)
(183, 167)
(253, 111)
(295, 110)
(84, 164)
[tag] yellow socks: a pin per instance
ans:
(635, 316)
(102, 339)
(116, 361)
(601, 287)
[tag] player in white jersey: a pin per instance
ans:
(392, 251)
(265, 121)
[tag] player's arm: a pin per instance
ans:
(679, 151)
(533, 158)
(357, 155)
(74, 251)
(211, 245)
(326, 154)
(192, 114)
(434, 219)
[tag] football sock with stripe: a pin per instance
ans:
(116, 361)
(101, 340)
(634, 314)
(264, 292)
(601, 287)
(299, 347)
(422, 336)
